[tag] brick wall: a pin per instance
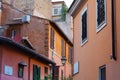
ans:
(36, 30)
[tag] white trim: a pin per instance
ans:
(103, 24)
(100, 68)
(74, 6)
(86, 40)
(58, 11)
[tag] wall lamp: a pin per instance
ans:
(63, 60)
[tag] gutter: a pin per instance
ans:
(113, 32)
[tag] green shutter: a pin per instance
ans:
(38, 73)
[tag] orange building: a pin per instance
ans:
(96, 39)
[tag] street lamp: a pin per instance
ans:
(63, 60)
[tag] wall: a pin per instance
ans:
(11, 58)
(67, 69)
(34, 7)
(96, 52)
(42, 66)
(114, 65)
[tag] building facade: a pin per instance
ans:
(34, 7)
(96, 39)
(42, 37)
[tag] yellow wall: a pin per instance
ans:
(67, 69)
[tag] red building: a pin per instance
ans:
(18, 62)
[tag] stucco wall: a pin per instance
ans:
(96, 52)
(12, 57)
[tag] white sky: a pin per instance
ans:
(68, 2)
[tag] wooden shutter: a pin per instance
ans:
(70, 54)
(63, 47)
(52, 38)
(36, 72)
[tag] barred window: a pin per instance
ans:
(102, 73)
(101, 13)
(84, 26)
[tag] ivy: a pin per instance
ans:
(64, 11)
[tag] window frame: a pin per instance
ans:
(83, 11)
(100, 68)
(59, 11)
(20, 73)
(103, 24)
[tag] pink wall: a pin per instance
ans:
(11, 58)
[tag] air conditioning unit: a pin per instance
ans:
(26, 19)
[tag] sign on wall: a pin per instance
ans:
(76, 68)
(8, 70)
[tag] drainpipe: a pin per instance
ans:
(29, 59)
(113, 31)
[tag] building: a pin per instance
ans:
(96, 39)
(42, 37)
(62, 18)
(33, 7)
(60, 46)
(18, 62)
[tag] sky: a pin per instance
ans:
(68, 2)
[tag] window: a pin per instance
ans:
(70, 55)
(13, 34)
(36, 72)
(20, 71)
(76, 68)
(84, 26)
(57, 11)
(63, 47)
(1, 31)
(52, 38)
(46, 70)
(101, 14)
(102, 73)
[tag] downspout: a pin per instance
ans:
(1, 53)
(113, 31)
(29, 60)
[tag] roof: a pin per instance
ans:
(56, 27)
(29, 52)
(74, 6)
(57, 2)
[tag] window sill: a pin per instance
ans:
(83, 43)
(101, 27)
